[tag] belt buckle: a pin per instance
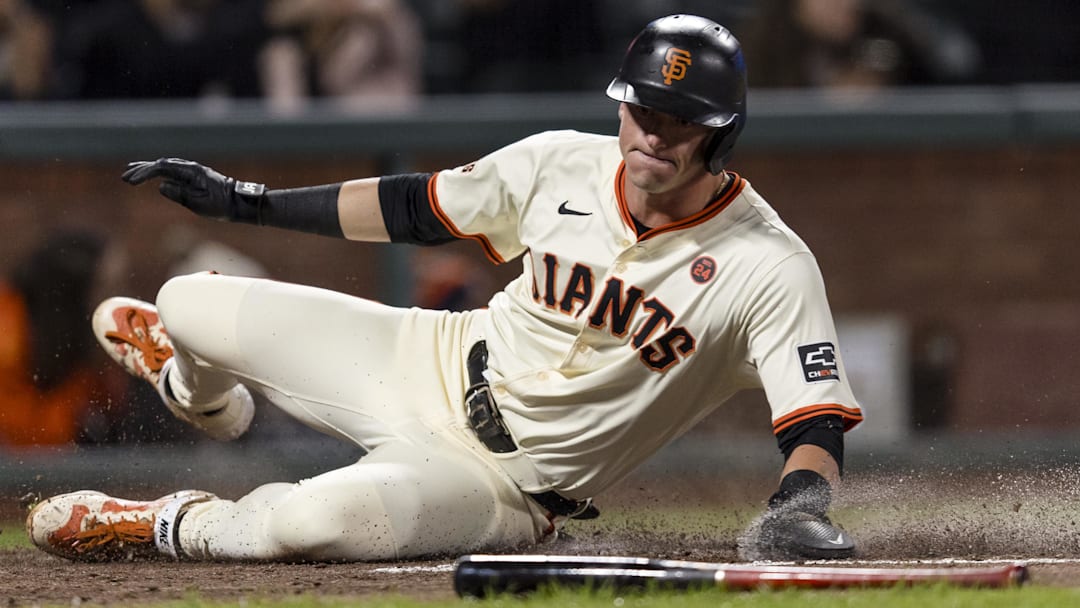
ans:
(486, 421)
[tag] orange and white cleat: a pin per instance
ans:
(92, 526)
(132, 333)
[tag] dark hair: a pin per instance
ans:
(55, 281)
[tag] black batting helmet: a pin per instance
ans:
(692, 68)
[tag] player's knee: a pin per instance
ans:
(175, 301)
(200, 305)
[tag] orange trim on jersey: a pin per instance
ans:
(433, 200)
(851, 416)
(731, 190)
(620, 196)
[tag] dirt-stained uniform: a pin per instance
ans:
(614, 340)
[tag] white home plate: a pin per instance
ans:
(407, 569)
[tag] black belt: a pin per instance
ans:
(487, 423)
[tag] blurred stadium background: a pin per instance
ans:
(941, 203)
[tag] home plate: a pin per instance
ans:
(438, 568)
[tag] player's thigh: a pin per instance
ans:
(319, 346)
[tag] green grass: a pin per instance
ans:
(920, 597)
(13, 535)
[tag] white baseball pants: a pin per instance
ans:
(389, 379)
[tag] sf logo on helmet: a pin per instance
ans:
(676, 61)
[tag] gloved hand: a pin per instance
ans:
(795, 526)
(200, 189)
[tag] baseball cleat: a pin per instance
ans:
(92, 526)
(133, 335)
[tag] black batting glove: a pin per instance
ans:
(201, 189)
(795, 526)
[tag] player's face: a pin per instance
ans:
(662, 152)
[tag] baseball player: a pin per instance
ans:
(655, 284)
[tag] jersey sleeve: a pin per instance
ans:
(484, 200)
(793, 345)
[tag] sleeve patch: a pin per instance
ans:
(818, 361)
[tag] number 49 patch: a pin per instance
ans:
(819, 362)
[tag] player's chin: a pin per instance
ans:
(644, 169)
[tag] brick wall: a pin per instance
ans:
(978, 246)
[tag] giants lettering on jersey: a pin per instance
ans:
(614, 308)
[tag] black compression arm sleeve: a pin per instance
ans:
(826, 432)
(305, 209)
(407, 211)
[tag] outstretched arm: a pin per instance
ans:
(211, 194)
(377, 209)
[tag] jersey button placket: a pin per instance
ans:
(578, 356)
(622, 261)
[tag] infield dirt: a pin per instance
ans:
(896, 517)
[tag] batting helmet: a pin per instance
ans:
(692, 68)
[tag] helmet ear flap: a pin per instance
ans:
(719, 149)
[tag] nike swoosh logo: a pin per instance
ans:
(564, 210)
(839, 539)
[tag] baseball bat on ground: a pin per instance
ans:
(479, 575)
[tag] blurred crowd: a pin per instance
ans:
(57, 386)
(51, 390)
(283, 50)
(372, 51)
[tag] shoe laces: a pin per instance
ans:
(100, 533)
(154, 355)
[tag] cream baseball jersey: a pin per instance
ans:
(610, 344)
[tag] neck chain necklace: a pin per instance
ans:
(716, 195)
(724, 184)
